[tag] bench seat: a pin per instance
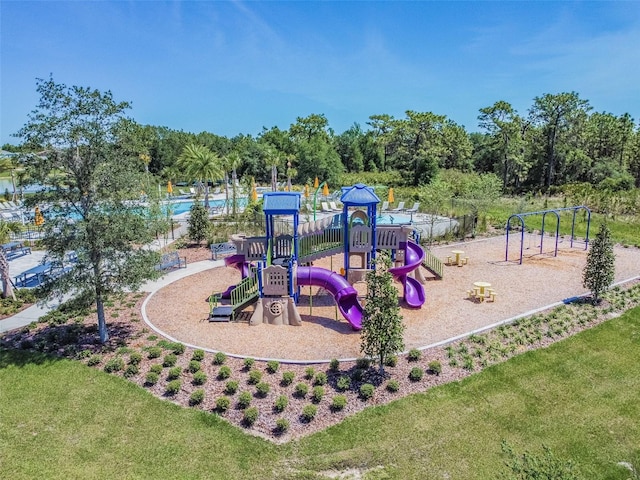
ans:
(170, 261)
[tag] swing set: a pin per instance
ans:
(555, 211)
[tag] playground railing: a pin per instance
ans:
(323, 244)
(433, 264)
(244, 292)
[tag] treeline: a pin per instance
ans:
(558, 141)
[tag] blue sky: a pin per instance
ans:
(235, 67)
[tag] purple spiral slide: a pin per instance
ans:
(238, 262)
(413, 290)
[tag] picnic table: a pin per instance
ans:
(482, 290)
(15, 249)
(39, 272)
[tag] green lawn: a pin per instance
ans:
(60, 419)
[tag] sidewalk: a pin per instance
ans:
(33, 313)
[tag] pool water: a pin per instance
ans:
(397, 219)
(181, 207)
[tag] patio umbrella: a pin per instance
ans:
(306, 191)
(169, 187)
(325, 190)
(315, 183)
(390, 197)
(254, 193)
(38, 218)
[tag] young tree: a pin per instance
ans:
(599, 271)
(382, 327)
(198, 223)
(91, 176)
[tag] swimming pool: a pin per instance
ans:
(395, 219)
(178, 208)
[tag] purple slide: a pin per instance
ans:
(239, 262)
(413, 290)
(345, 295)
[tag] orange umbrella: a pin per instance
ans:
(38, 218)
(325, 190)
(306, 191)
(390, 197)
(169, 187)
(254, 193)
(315, 183)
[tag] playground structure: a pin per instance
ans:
(555, 212)
(274, 267)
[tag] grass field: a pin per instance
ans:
(61, 419)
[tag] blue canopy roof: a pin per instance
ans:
(359, 195)
(281, 203)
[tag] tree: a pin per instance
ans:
(599, 272)
(382, 327)
(202, 164)
(90, 182)
(198, 223)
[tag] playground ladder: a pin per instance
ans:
(433, 264)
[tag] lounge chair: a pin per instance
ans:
(400, 207)
(325, 207)
(334, 207)
(184, 194)
(193, 191)
(309, 207)
(385, 207)
(414, 209)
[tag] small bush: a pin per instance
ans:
(224, 372)
(363, 363)
(156, 368)
(196, 397)
(262, 389)
(366, 391)
(320, 379)
(414, 355)
(309, 412)
(198, 355)
(174, 373)
(357, 375)
(316, 394)
(178, 348)
(435, 367)
(248, 363)
(255, 376)
(391, 361)
(416, 373)
(131, 370)
(393, 385)
(194, 366)
(219, 358)
(114, 365)
(281, 403)
(272, 366)
(135, 358)
(338, 403)
(309, 373)
(169, 360)
(244, 399)
(154, 352)
(282, 425)
(334, 365)
(301, 390)
(250, 416)
(231, 387)
(151, 378)
(223, 404)
(199, 378)
(343, 383)
(94, 360)
(287, 378)
(173, 387)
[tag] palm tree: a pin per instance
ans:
(272, 159)
(232, 161)
(200, 163)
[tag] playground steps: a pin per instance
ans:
(221, 313)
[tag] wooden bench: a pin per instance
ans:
(171, 260)
(221, 249)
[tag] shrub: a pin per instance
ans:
(416, 374)
(114, 365)
(169, 360)
(94, 360)
(154, 352)
(250, 416)
(131, 370)
(219, 358)
(231, 387)
(363, 363)
(272, 366)
(244, 399)
(255, 376)
(309, 412)
(151, 378)
(173, 387)
(281, 403)
(343, 383)
(334, 365)
(317, 394)
(435, 367)
(135, 358)
(199, 378)
(301, 390)
(177, 348)
(198, 355)
(248, 363)
(357, 374)
(393, 386)
(156, 368)
(338, 403)
(194, 366)
(282, 425)
(287, 378)
(366, 391)
(391, 361)
(309, 373)
(320, 379)
(196, 397)
(262, 389)
(224, 372)
(174, 373)
(223, 404)
(414, 355)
